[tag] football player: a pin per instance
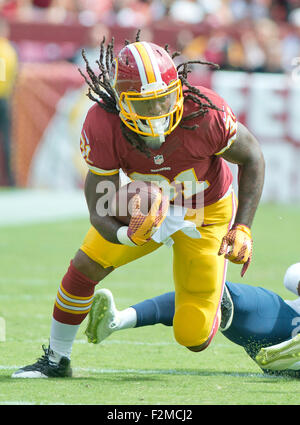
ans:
(149, 121)
(257, 319)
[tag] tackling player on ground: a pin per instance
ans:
(257, 319)
(151, 123)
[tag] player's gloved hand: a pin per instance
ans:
(142, 227)
(239, 240)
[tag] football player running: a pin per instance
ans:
(257, 319)
(149, 121)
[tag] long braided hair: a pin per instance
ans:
(100, 91)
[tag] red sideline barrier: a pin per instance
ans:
(38, 90)
(163, 32)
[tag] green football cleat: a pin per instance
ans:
(103, 317)
(285, 355)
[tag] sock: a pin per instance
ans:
(72, 305)
(156, 310)
(62, 337)
(126, 319)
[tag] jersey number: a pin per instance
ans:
(85, 146)
(185, 182)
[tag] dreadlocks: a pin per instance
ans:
(99, 85)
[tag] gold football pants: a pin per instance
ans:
(199, 273)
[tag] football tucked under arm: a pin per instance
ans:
(143, 207)
(142, 227)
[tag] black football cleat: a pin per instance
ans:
(46, 367)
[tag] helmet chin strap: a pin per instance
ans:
(154, 142)
(159, 126)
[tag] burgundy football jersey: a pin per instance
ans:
(187, 166)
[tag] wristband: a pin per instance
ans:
(123, 237)
(243, 228)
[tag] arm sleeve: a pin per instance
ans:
(97, 144)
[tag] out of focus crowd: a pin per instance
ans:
(252, 35)
(242, 35)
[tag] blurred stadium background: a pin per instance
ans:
(43, 102)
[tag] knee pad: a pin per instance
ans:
(190, 325)
(193, 328)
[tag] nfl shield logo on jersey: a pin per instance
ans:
(158, 159)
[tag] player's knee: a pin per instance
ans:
(191, 327)
(200, 347)
(89, 267)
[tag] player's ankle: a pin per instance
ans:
(55, 356)
(125, 319)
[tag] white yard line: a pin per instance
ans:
(111, 342)
(175, 372)
(18, 403)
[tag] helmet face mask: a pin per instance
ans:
(148, 90)
(145, 113)
(153, 105)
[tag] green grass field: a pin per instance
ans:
(137, 366)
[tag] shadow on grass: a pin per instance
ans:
(125, 375)
(160, 374)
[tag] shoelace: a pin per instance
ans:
(44, 360)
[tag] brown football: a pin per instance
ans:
(121, 204)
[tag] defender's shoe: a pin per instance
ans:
(103, 317)
(279, 357)
(46, 367)
(227, 310)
